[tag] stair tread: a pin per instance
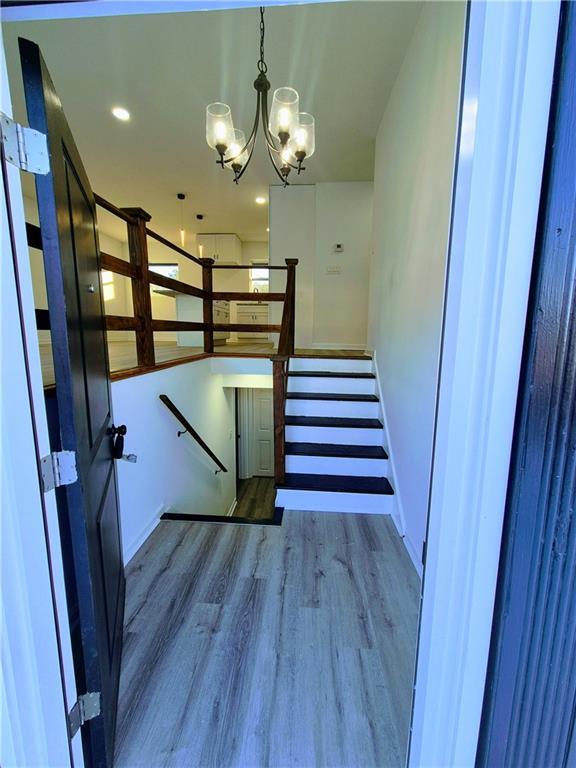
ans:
(332, 374)
(337, 483)
(331, 396)
(334, 450)
(332, 421)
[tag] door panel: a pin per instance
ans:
(263, 433)
(111, 558)
(80, 415)
(91, 328)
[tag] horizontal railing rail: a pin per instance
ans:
(247, 296)
(111, 208)
(172, 246)
(250, 266)
(174, 285)
(189, 429)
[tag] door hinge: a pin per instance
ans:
(58, 468)
(87, 707)
(24, 147)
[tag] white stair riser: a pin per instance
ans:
(336, 465)
(344, 436)
(331, 386)
(327, 501)
(334, 408)
(330, 364)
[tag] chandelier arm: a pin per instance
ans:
(251, 138)
(246, 164)
(283, 179)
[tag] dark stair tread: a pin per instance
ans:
(332, 421)
(340, 451)
(331, 396)
(332, 374)
(337, 483)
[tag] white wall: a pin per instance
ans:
(293, 236)
(306, 221)
(254, 251)
(343, 215)
(173, 471)
(412, 195)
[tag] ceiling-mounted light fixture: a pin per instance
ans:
(181, 196)
(289, 134)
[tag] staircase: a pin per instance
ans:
(335, 457)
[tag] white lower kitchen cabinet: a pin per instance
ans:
(252, 313)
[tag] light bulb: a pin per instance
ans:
(220, 130)
(285, 155)
(234, 149)
(300, 137)
(284, 117)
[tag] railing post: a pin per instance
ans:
(291, 296)
(279, 401)
(138, 248)
(208, 311)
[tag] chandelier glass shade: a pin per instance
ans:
(288, 133)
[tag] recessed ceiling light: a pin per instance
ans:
(267, 229)
(121, 113)
(260, 200)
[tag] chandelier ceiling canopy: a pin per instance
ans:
(288, 133)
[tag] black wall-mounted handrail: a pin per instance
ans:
(188, 428)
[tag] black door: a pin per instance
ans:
(81, 414)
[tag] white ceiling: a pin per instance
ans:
(342, 58)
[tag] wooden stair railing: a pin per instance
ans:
(189, 429)
(137, 270)
(280, 366)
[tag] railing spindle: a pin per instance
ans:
(138, 249)
(208, 312)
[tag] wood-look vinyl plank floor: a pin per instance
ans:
(269, 647)
(256, 497)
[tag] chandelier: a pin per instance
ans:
(288, 133)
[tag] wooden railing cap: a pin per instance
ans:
(291, 262)
(206, 261)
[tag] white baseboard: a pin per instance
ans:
(232, 508)
(398, 510)
(409, 547)
(129, 550)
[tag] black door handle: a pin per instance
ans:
(118, 434)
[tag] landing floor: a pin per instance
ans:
(254, 646)
(255, 499)
(122, 354)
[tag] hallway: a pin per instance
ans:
(253, 646)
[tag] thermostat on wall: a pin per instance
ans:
(338, 247)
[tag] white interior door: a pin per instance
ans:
(262, 433)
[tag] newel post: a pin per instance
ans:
(279, 403)
(208, 312)
(291, 297)
(141, 302)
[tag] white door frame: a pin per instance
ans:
(509, 62)
(508, 76)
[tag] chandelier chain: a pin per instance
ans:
(262, 66)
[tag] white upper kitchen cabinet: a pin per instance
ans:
(223, 248)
